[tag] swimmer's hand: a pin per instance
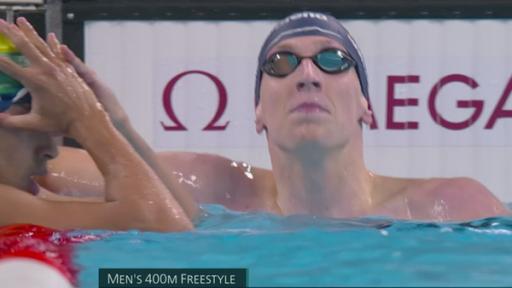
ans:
(103, 92)
(60, 98)
(121, 121)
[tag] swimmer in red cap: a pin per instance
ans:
(62, 104)
(311, 103)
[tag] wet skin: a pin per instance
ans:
(312, 121)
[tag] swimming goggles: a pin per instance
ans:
(331, 61)
(22, 96)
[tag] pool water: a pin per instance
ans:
(311, 251)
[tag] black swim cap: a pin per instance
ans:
(312, 24)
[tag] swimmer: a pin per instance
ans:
(60, 103)
(311, 99)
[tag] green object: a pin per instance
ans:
(9, 87)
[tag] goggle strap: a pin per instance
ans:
(21, 93)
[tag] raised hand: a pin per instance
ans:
(60, 98)
(103, 92)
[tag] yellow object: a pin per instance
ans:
(6, 46)
(9, 87)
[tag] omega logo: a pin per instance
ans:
(498, 112)
(213, 125)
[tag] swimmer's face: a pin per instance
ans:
(23, 153)
(308, 105)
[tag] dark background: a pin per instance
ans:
(75, 12)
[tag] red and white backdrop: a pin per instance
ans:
(440, 91)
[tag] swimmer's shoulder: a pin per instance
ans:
(210, 178)
(235, 184)
(464, 198)
(445, 199)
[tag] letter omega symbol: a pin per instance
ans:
(221, 107)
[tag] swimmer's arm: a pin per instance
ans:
(121, 121)
(64, 104)
(73, 173)
(208, 178)
(134, 196)
(186, 200)
(49, 196)
(20, 207)
(129, 182)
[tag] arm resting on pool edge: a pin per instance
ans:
(121, 121)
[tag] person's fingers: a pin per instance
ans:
(54, 45)
(12, 69)
(72, 59)
(25, 121)
(19, 40)
(68, 54)
(32, 36)
(81, 69)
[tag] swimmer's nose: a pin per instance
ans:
(54, 152)
(51, 151)
(309, 77)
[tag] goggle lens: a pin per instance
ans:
(331, 61)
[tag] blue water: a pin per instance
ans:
(310, 251)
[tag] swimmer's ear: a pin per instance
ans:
(367, 114)
(260, 127)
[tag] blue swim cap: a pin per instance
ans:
(4, 104)
(312, 24)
